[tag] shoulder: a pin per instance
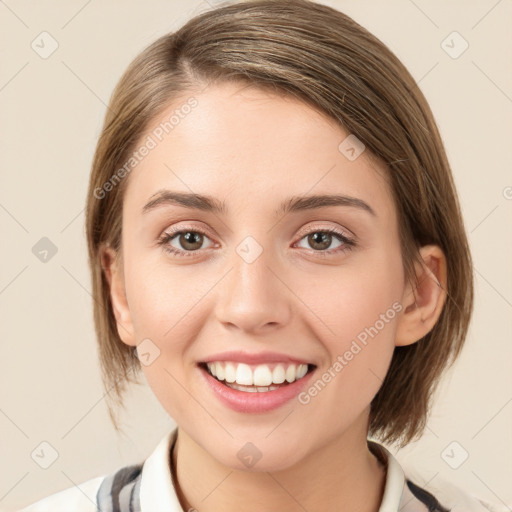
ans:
(116, 491)
(120, 490)
(404, 490)
(443, 496)
(80, 498)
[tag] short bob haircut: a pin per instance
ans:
(327, 60)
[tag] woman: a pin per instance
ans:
(275, 240)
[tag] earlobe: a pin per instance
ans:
(423, 302)
(111, 263)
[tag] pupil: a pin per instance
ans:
(191, 238)
(320, 238)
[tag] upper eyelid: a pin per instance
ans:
(344, 231)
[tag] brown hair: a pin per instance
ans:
(326, 59)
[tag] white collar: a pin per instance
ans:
(395, 481)
(157, 491)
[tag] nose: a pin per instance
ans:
(253, 296)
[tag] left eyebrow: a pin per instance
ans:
(293, 204)
(299, 203)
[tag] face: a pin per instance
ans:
(260, 270)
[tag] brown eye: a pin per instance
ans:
(320, 240)
(184, 242)
(190, 240)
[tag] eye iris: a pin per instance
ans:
(191, 237)
(319, 237)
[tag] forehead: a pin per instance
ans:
(255, 146)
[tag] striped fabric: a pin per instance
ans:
(120, 491)
(425, 498)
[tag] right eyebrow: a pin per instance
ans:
(188, 200)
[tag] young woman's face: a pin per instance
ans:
(255, 270)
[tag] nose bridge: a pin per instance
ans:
(253, 296)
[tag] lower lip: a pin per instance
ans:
(255, 402)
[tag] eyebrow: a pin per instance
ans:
(293, 204)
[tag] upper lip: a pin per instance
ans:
(254, 358)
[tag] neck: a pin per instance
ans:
(352, 479)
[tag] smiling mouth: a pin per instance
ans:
(256, 378)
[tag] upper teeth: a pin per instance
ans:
(261, 375)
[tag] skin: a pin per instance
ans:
(253, 150)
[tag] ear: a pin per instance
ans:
(112, 265)
(424, 301)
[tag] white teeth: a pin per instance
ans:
(302, 370)
(290, 373)
(261, 377)
(230, 372)
(243, 374)
(219, 371)
(278, 375)
(259, 389)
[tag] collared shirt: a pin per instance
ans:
(148, 487)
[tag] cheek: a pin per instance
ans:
(353, 298)
(158, 295)
(163, 308)
(358, 308)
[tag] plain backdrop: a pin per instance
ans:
(51, 114)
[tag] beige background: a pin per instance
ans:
(51, 111)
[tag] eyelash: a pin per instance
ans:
(163, 241)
